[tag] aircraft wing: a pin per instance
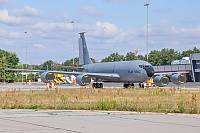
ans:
(94, 75)
(69, 67)
(25, 70)
(41, 71)
(103, 75)
(169, 74)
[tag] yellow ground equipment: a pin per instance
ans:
(59, 79)
(147, 84)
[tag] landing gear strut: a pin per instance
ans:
(141, 85)
(97, 85)
(127, 85)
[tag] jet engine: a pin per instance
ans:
(161, 80)
(178, 78)
(83, 80)
(46, 76)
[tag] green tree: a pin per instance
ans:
(163, 57)
(155, 57)
(76, 62)
(7, 60)
(130, 56)
(113, 57)
(3, 65)
(12, 60)
(188, 52)
(31, 76)
(140, 57)
(70, 62)
(47, 65)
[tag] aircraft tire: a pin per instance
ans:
(132, 85)
(141, 85)
(127, 85)
(100, 85)
(93, 85)
(97, 85)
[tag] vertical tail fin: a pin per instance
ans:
(84, 57)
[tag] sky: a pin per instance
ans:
(41, 30)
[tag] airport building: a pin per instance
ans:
(189, 65)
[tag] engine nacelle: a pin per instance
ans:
(178, 78)
(47, 76)
(83, 80)
(161, 80)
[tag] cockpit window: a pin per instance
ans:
(144, 66)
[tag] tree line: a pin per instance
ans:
(156, 57)
(7, 60)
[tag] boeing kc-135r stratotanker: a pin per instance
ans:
(127, 72)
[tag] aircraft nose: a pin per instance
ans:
(149, 71)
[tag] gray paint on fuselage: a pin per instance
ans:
(129, 71)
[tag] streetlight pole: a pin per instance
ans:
(26, 57)
(147, 4)
(22, 73)
(73, 43)
(4, 59)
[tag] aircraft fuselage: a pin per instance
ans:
(129, 71)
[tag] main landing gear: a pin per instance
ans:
(129, 85)
(97, 85)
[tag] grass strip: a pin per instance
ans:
(141, 100)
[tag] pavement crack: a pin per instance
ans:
(151, 121)
(40, 125)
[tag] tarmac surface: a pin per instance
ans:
(66, 121)
(41, 86)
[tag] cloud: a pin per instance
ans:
(8, 19)
(2, 33)
(53, 27)
(21, 17)
(53, 39)
(5, 2)
(107, 37)
(28, 12)
(106, 29)
(63, 17)
(102, 36)
(91, 11)
(161, 10)
(165, 35)
(39, 46)
(188, 21)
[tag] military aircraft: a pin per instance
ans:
(127, 72)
